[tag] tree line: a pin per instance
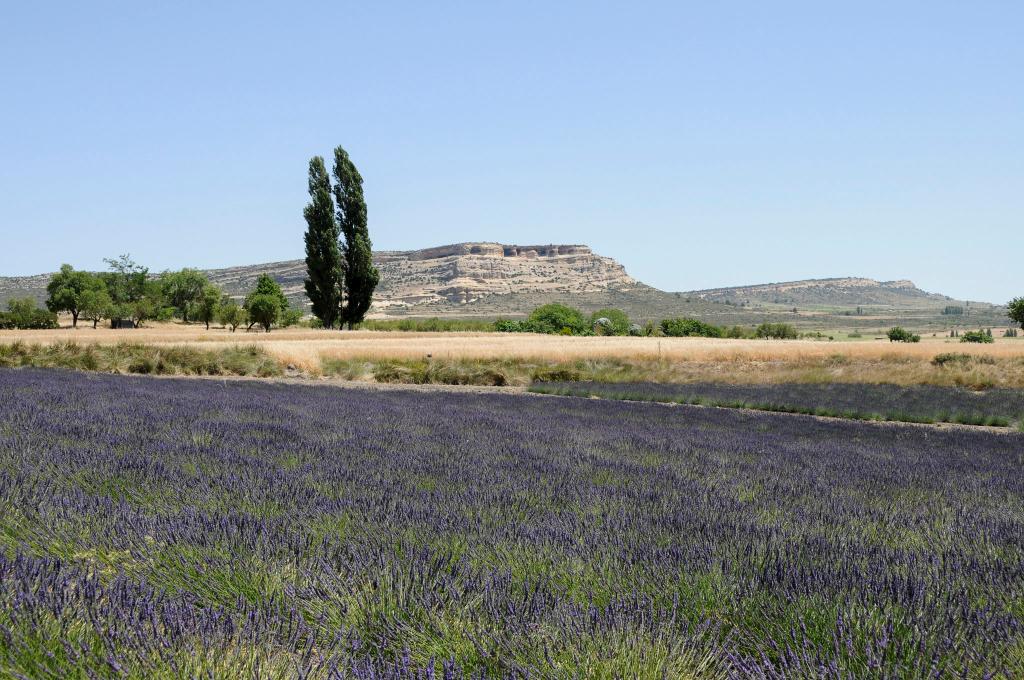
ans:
(127, 293)
(559, 319)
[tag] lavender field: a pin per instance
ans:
(857, 401)
(166, 528)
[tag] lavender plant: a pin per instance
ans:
(915, 404)
(167, 528)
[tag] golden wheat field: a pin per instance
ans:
(665, 359)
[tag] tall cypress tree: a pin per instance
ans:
(324, 266)
(360, 276)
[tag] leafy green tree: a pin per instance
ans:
(556, 318)
(151, 305)
(360, 276)
(618, 322)
(263, 310)
(136, 297)
(96, 305)
(66, 289)
(126, 281)
(325, 277)
(208, 304)
(183, 289)
(265, 303)
(231, 315)
(290, 316)
(1016, 310)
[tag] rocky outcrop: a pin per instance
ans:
(837, 291)
(466, 272)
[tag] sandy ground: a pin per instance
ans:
(305, 347)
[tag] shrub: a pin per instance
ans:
(951, 358)
(739, 332)
(23, 314)
(509, 326)
(231, 315)
(557, 318)
(290, 317)
(617, 323)
(602, 326)
(681, 328)
(263, 310)
(556, 374)
(431, 325)
(777, 331)
(897, 334)
(976, 336)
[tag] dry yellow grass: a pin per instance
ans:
(668, 359)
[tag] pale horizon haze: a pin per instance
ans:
(701, 145)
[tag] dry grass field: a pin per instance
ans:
(358, 354)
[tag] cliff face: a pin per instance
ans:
(456, 274)
(467, 272)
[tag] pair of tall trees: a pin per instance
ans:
(341, 277)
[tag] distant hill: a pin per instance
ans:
(848, 291)
(494, 279)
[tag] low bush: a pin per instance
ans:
(553, 319)
(556, 318)
(951, 358)
(739, 333)
(509, 326)
(682, 328)
(440, 373)
(23, 314)
(556, 374)
(610, 321)
(776, 331)
(976, 336)
(432, 325)
(897, 334)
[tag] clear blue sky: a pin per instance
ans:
(701, 144)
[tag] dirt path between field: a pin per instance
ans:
(524, 391)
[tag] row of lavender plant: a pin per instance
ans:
(858, 401)
(165, 528)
